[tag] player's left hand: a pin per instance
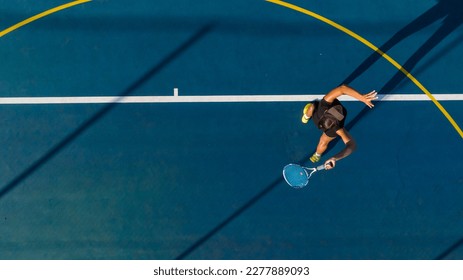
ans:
(369, 97)
(329, 164)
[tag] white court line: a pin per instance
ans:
(209, 99)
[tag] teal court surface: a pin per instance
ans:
(159, 129)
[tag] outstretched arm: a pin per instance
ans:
(347, 90)
(348, 149)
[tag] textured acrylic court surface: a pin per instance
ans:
(203, 180)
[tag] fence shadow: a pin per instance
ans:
(105, 110)
(449, 250)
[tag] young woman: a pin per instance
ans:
(329, 116)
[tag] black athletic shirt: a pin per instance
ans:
(320, 108)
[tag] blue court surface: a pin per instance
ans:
(181, 175)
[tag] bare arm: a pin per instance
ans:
(350, 147)
(347, 90)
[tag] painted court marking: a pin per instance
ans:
(376, 49)
(41, 15)
(207, 99)
(226, 98)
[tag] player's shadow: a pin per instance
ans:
(105, 110)
(451, 14)
(449, 10)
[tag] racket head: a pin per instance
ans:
(296, 176)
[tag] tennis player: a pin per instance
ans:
(329, 116)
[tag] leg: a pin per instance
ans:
(323, 143)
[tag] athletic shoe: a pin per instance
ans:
(315, 158)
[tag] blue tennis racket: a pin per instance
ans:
(298, 176)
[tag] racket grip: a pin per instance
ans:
(321, 167)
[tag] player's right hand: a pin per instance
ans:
(330, 164)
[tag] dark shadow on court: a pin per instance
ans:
(449, 10)
(106, 109)
(233, 216)
(449, 250)
(451, 14)
(230, 25)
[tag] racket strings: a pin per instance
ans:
(298, 176)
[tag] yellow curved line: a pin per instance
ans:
(376, 49)
(41, 15)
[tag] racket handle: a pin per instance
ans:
(322, 166)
